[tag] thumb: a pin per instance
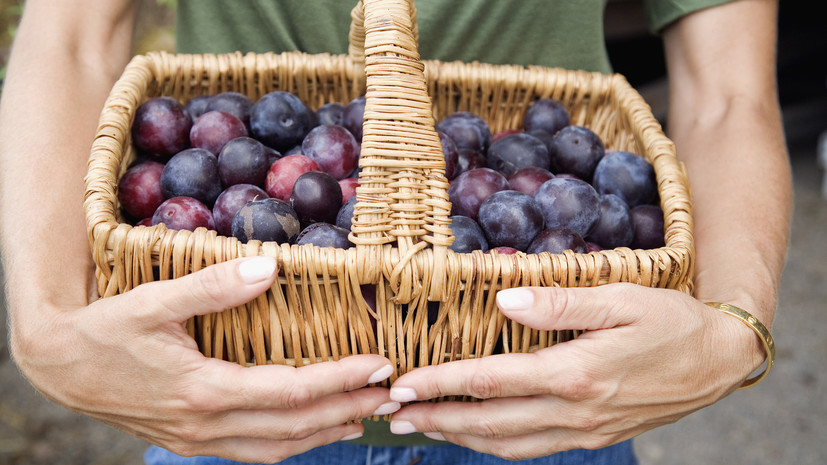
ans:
(560, 308)
(213, 289)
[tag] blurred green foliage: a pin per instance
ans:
(10, 12)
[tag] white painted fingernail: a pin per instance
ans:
(515, 299)
(387, 408)
(256, 269)
(352, 436)
(402, 394)
(402, 427)
(380, 374)
(435, 436)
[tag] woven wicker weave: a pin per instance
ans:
(401, 228)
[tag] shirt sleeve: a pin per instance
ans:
(661, 13)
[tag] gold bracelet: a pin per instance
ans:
(760, 330)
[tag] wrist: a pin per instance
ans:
(749, 340)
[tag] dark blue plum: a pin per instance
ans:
(467, 130)
(316, 197)
(230, 202)
(528, 180)
(325, 235)
(547, 115)
(648, 225)
(517, 151)
(614, 228)
(161, 127)
(295, 150)
(628, 176)
(557, 240)
(344, 218)
(266, 220)
(510, 219)
(468, 236)
(548, 139)
(192, 173)
(197, 106)
(183, 213)
(243, 160)
(213, 129)
(576, 150)
(139, 190)
(280, 120)
(468, 159)
(234, 103)
(334, 149)
(354, 116)
(331, 113)
(569, 203)
(449, 150)
(470, 188)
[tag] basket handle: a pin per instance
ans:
(403, 192)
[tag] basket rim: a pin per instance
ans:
(106, 232)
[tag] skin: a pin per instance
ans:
(592, 392)
(136, 370)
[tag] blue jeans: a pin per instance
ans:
(449, 454)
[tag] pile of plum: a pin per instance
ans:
(275, 170)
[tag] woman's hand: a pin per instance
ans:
(129, 362)
(650, 357)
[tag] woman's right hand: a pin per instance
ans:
(128, 361)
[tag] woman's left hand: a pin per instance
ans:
(649, 357)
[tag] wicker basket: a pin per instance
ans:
(316, 311)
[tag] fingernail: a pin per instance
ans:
(402, 427)
(352, 436)
(402, 394)
(435, 436)
(387, 407)
(256, 269)
(380, 374)
(515, 299)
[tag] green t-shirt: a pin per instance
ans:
(567, 34)
(553, 33)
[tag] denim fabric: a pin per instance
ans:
(344, 453)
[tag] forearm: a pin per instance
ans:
(726, 124)
(60, 72)
(742, 196)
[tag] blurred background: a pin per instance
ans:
(780, 422)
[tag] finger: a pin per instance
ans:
(484, 378)
(503, 417)
(213, 289)
(268, 451)
(225, 386)
(541, 444)
(493, 418)
(296, 424)
(560, 308)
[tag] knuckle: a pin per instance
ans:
(357, 408)
(207, 289)
(191, 434)
(487, 428)
(587, 423)
(483, 385)
(578, 386)
(199, 402)
(296, 396)
(300, 429)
